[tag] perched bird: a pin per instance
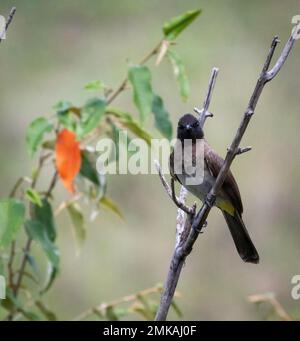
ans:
(228, 199)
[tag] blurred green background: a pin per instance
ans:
(55, 47)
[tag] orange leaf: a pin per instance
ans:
(68, 158)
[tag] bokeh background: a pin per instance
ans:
(55, 47)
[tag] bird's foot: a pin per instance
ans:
(210, 200)
(200, 228)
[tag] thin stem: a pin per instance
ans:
(10, 265)
(282, 58)
(129, 298)
(41, 162)
(22, 267)
(52, 185)
(8, 22)
(29, 240)
(123, 84)
(65, 204)
(16, 187)
(171, 191)
(204, 113)
(210, 90)
(274, 43)
(55, 176)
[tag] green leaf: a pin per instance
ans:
(68, 120)
(50, 316)
(136, 129)
(121, 312)
(128, 121)
(12, 213)
(148, 307)
(52, 273)
(140, 309)
(12, 303)
(36, 231)
(176, 25)
(144, 300)
(95, 86)
(111, 205)
(78, 223)
(110, 314)
(140, 78)
(180, 74)
(35, 133)
(162, 117)
(62, 106)
(49, 144)
(32, 262)
(176, 309)
(91, 114)
(34, 196)
(1, 266)
(30, 315)
(115, 136)
(44, 215)
(67, 114)
(31, 276)
(98, 313)
(87, 170)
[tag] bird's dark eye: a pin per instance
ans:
(180, 126)
(195, 125)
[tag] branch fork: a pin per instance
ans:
(240, 150)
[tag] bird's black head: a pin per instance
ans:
(189, 128)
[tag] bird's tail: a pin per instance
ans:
(241, 238)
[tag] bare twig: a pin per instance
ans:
(183, 226)
(204, 113)
(243, 150)
(41, 162)
(180, 218)
(198, 222)
(123, 84)
(22, 267)
(67, 203)
(101, 308)
(52, 185)
(8, 22)
(10, 265)
(171, 192)
(29, 240)
(276, 305)
(15, 287)
(16, 187)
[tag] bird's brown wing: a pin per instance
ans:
(171, 166)
(230, 187)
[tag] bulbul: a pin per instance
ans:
(228, 199)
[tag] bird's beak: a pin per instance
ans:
(188, 127)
